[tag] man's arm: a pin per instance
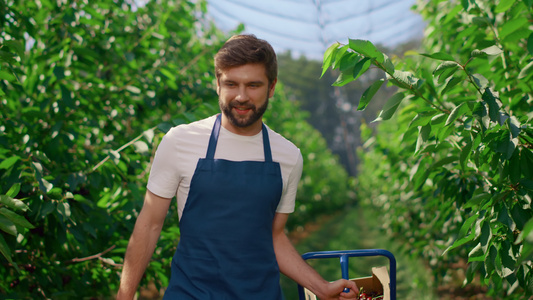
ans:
(142, 243)
(292, 265)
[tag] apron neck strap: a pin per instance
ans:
(214, 139)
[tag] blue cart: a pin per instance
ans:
(344, 255)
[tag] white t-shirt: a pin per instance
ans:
(181, 148)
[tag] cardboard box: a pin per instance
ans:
(378, 282)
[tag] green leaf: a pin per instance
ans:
(526, 183)
(526, 164)
(466, 151)
(444, 161)
(390, 107)
(530, 44)
(13, 203)
(7, 76)
(514, 168)
(15, 218)
(389, 66)
(507, 260)
(526, 71)
(6, 252)
(344, 78)
(7, 57)
(481, 21)
(423, 136)
(460, 242)
(339, 54)
(462, 239)
(64, 209)
(480, 81)
(438, 119)
(422, 119)
(492, 50)
(477, 200)
(439, 56)
(446, 73)
(490, 260)
(47, 208)
(18, 46)
(45, 185)
(445, 65)
(514, 126)
(476, 254)
(494, 107)
(348, 61)
(451, 83)
(511, 26)
(504, 5)
(329, 55)
(520, 215)
(361, 67)
(13, 190)
(367, 49)
(7, 226)
(526, 234)
(404, 79)
(505, 144)
(458, 111)
(369, 94)
(452, 14)
(503, 217)
(9, 162)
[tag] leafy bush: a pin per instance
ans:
(84, 87)
(452, 170)
(87, 89)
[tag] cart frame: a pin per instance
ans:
(344, 257)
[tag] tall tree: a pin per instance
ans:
(452, 169)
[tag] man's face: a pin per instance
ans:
(243, 97)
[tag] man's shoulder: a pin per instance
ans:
(282, 147)
(195, 128)
(280, 140)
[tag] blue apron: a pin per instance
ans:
(225, 249)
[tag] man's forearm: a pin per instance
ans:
(136, 260)
(293, 266)
(138, 254)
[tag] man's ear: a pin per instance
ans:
(272, 88)
(218, 87)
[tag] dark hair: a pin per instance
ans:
(246, 49)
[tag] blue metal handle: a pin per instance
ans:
(344, 255)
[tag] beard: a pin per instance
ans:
(242, 121)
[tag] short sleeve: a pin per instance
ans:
(288, 199)
(164, 174)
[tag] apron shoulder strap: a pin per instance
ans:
(266, 145)
(213, 139)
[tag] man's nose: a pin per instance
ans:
(242, 94)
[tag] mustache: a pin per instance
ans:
(242, 105)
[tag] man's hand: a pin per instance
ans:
(335, 290)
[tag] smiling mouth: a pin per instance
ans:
(242, 110)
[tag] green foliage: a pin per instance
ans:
(452, 169)
(84, 87)
(332, 110)
(87, 90)
(317, 194)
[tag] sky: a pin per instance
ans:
(309, 27)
